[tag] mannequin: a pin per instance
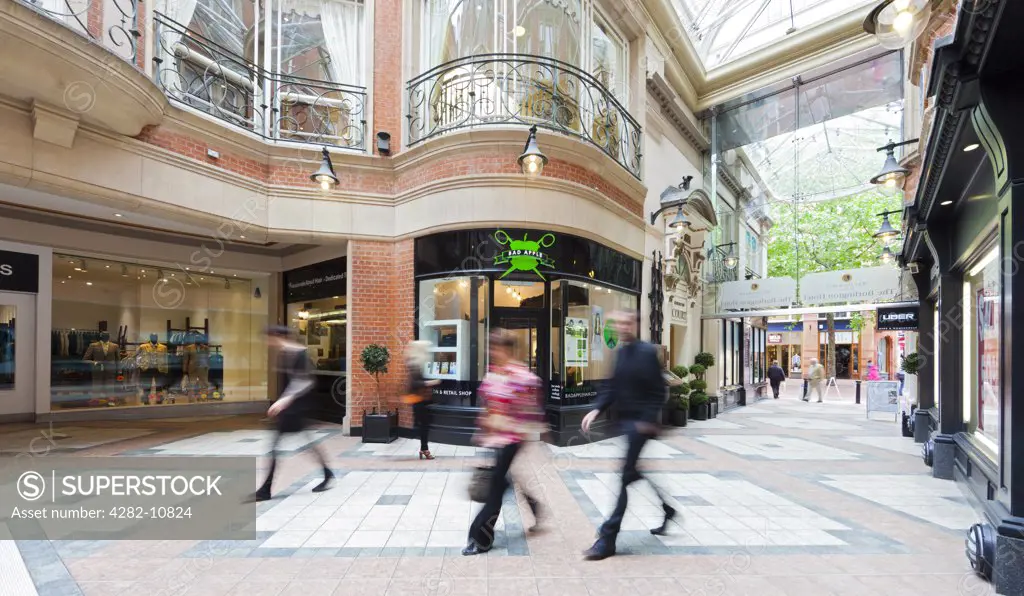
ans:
(199, 369)
(151, 358)
(103, 355)
(188, 357)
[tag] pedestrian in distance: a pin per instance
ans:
(636, 394)
(873, 374)
(775, 377)
(289, 410)
(816, 375)
(418, 392)
(513, 416)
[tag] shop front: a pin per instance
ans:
(784, 346)
(966, 230)
(316, 307)
(128, 334)
(554, 291)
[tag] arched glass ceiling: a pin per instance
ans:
(724, 30)
(818, 138)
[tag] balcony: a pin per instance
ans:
(198, 73)
(517, 89)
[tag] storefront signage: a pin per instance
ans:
(323, 280)
(757, 293)
(883, 396)
(679, 316)
(871, 284)
(775, 338)
(897, 319)
(577, 337)
(19, 272)
(525, 254)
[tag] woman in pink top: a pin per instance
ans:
(512, 415)
(873, 372)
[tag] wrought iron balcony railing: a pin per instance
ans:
(199, 73)
(111, 23)
(509, 89)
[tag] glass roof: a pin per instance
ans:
(724, 30)
(817, 140)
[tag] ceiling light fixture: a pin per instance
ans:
(971, 147)
(117, 215)
(947, 202)
(124, 271)
(892, 175)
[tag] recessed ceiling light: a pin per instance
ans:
(242, 237)
(63, 281)
(946, 203)
(88, 283)
(971, 147)
(117, 215)
(108, 266)
(188, 268)
(69, 277)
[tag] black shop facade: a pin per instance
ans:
(316, 308)
(553, 291)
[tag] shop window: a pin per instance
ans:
(126, 334)
(321, 325)
(453, 317)
(983, 411)
(589, 341)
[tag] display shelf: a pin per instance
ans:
(451, 356)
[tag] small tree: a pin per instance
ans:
(704, 359)
(375, 359)
(911, 363)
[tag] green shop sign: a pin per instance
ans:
(525, 254)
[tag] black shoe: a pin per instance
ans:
(539, 514)
(258, 497)
(326, 484)
(670, 514)
(474, 549)
(601, 550)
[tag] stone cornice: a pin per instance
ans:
(676, 114)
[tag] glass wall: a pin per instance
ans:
(129, 334)
(321, 325)
(757, 354)
(982, 308)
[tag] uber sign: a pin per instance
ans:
(902, 318)
(19, 272)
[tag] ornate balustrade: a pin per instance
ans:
(111, 23)
(199, 73)
(517, 89)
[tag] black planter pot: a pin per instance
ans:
(699, 412)
(678, 417)
(380, 428)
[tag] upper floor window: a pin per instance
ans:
(283, 69)
(570, 31)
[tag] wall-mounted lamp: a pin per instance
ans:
(897, 23)
(892, 174)
(730, 260)
(886, 234)
(325, 175)
(533, 160)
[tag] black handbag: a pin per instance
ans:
(480, 483)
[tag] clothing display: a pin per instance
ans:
(6, 354)
(103, 355)
(151, 363)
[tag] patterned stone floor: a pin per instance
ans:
(778, 498)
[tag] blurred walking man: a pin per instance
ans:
(816, 374)
(637, 393)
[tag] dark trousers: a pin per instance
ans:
(481, 531)
(630, 474)
(422, 419)
(775, 389)
(316, 450)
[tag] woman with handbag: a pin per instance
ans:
(418, 392)
(513, 415)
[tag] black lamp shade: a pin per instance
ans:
(892, 174)
(325, 175)
(533, 160)
(886, 232)
(679, 220)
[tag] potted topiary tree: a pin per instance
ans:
(698, 405)
(380, 425)
(707, 360)
(676, 390)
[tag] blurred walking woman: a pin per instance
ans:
(513, 415)
(418, 392)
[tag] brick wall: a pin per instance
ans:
(387, 71)
(382, 311)
(383, 182)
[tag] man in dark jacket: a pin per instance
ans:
(776, 376)
(636, 393)
(290, 409)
